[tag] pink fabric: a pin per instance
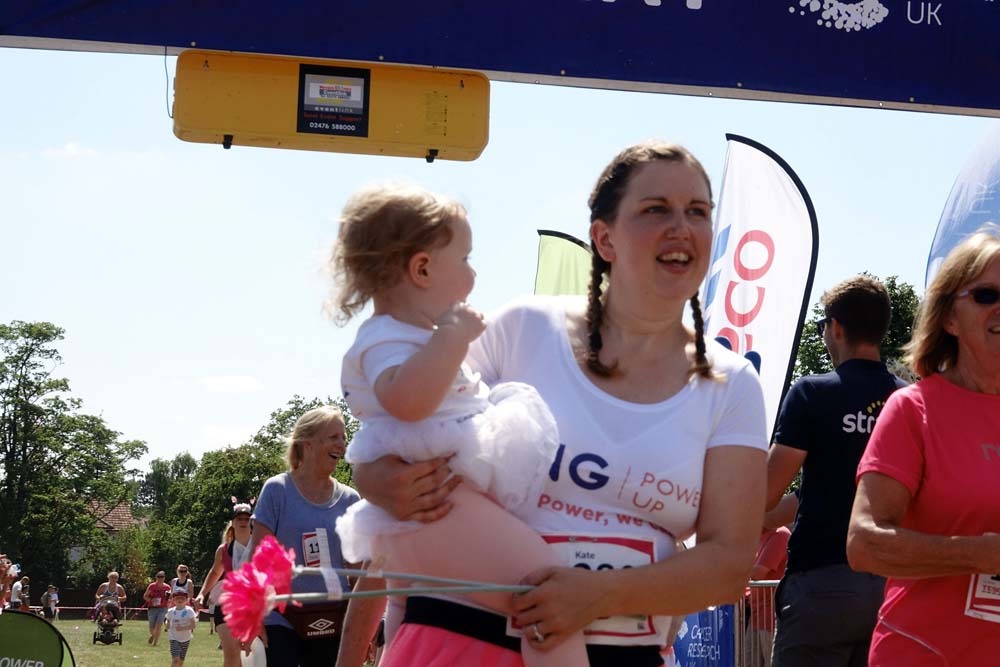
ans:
(426, 646)
(942, 443)
(479, 540)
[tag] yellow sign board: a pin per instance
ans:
(324, 105)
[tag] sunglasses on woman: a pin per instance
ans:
(984, 296)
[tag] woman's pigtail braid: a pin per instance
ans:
(702, 366)
(595, 317)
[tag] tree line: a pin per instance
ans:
(57, 463)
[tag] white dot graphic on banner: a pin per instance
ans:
(846, 16)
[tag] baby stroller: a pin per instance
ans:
(108, 618)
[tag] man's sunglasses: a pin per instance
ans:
(984, 296)
(821, 325)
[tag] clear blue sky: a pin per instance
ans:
(188, 278)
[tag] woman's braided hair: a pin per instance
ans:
(604, 201)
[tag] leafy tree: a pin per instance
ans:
(53, 458)
(125, 552)
(812, 356)
(160, 486)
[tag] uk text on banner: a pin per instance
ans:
(974, 201)
(563, 264)
(763, 260)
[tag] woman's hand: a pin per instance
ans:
(565, 600)
(408, 491)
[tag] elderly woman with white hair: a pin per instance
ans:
(927, 510)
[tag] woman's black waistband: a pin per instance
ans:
(492, 628)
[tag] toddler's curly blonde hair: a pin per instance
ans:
(381, 228)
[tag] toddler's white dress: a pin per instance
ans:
(504, 439)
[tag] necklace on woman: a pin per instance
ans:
(308, 489)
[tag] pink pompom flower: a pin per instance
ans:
(247, 597)
(276, 562)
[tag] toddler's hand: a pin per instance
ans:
(463, 321)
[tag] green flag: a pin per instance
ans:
(563, 264)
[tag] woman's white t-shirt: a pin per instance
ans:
(626, 482)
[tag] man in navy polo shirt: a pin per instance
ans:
(826, 611)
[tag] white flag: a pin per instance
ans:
(763, 260)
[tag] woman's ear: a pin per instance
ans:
(950, 324)
(600, 235)
(418, 269)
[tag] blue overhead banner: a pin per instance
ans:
(939, 55)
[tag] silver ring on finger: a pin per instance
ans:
(539, 637)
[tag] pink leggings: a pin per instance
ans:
(481, 541)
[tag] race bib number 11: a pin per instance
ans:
(316, 549)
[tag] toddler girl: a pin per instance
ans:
(407, 252)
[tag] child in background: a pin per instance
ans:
(407, 252)
(181, 619)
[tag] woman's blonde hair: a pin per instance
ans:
(308, 426)
(381, 228)
(932, 349)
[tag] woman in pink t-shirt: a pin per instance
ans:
(927, 510)
(157, 599)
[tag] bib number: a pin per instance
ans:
(607, 552)
(316, 549)
(983, 600)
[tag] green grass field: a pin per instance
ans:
(134, 650)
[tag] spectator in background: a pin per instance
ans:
(927, 511)
(826, 611)
(19, 594)
(157, 599)
(50, 598)
(183, 582)
(769, 565)
(8, 575)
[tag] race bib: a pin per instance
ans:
(983, 600)
(316, 549)
(606, 552)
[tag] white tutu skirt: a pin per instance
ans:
(505, 452)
